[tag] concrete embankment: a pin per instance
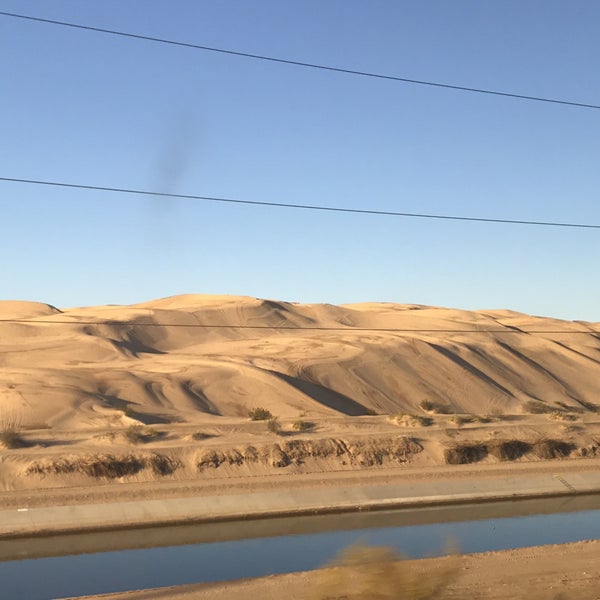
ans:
(25, 521)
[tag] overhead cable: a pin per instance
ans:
(315, 207)
(346, 329)
(304, 64)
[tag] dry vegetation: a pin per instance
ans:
(363, 453)
(12, 439)
(460, 420)
(201, 435)
(536, 407)
(138, 434)
(408, 420)
(106, 466)
(259, 414)
(439, 408)
(274, 425)
(547, 449)
(301, 425)
(558, 415)
(508, 449)
(10, 429)
(461, 453)
(379, 573)
(464, 453)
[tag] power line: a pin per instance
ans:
(348, 329)
(336, 209)
(301, 63)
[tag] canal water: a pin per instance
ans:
(203, 553)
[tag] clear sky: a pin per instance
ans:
(90, 108)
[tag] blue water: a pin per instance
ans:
(57, 577)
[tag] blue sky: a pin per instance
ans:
(89, 108)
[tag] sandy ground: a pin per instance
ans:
(161, 391)
(183, 358)
(116, 403)
(566, 572)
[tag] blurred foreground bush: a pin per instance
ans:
(380, 573)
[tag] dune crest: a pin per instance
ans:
(22, 309)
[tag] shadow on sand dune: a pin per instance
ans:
(329, 398)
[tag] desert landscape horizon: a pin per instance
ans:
(219, 354)
(182, 374)
(399, 393)
(229, 398)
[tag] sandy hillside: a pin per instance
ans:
(68, 373)
(193, 366)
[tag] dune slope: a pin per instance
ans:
(188, 357)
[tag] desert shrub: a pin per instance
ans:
(260, 414)
(278, 458)
(138, 434)
(301, 425)
(200, 435)
(461, 419)
(163, 465)
(537, 407)
(12, 440)
(548, 449)
(10, 430)
(427, 405)
(436, 407)
(508, 449)
(112, 467)
(559, 415)
(106, 465)
(273, 425)
(211, 459)
(482, 418)
(412, 420)
(464, 453)
(588, 451)
(380, 573)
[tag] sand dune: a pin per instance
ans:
(154, 359)
(154, 398)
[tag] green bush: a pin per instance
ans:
(302, 425)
